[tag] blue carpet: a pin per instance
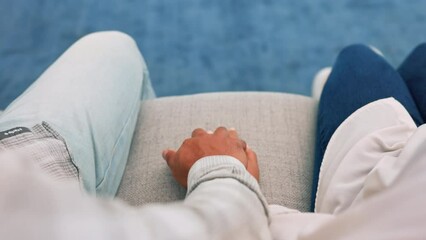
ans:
(196, 46)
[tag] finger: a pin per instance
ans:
(221, 131)
(198, 132)
(233, 133)
(252, 165)
(244, 144)
(168, 155)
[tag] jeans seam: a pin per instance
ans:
(116, 142)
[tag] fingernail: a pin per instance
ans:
(164, 153)
(210, 132)
(231, 129)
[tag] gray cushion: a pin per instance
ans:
(279, 127)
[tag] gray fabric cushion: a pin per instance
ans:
(279, 127)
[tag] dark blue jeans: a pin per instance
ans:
(413, 71)
(361, 76)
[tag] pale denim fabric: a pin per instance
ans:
(91, 97)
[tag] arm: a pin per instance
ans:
(223, 202)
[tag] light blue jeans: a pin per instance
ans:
(91, 96)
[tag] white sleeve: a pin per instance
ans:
(371, 182)
(397, 213)
(223, 202)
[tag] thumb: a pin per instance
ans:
(252, 165)
(168, 155)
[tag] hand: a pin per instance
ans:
(203, 144)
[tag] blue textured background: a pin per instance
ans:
(196, 46)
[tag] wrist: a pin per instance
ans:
(223, 166)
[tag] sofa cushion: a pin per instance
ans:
(278, 127)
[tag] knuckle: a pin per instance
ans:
(197, 130)
(186, 141)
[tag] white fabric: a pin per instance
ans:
(362, 156)
(371, 181)
(227, 206)
(319, 81)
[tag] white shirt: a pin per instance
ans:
(223, 202)
(372, 181)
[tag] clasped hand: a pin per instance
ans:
(203, 144)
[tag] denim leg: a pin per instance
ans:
(359, 76)
(413, 71)
(91, 97)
